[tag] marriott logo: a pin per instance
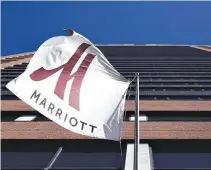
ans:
(66, 75)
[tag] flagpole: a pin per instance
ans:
(136, 144)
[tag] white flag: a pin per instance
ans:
(70, 81)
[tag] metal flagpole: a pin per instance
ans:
(136, 144)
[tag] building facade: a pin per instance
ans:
(175, 121)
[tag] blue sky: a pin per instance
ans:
(26, 25)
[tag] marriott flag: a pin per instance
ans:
(71, 82)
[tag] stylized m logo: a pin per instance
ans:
(65, 76)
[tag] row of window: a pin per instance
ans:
(100, 154)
